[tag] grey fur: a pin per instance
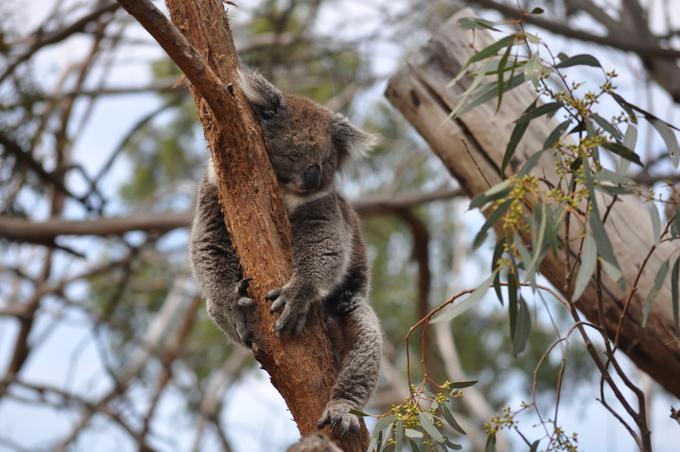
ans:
(307, 146)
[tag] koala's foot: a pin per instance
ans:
(246, 315)
(293, 305)
(337, 416)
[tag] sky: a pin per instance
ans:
(255, 417)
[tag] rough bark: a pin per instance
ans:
(472, 148)
(301, 367)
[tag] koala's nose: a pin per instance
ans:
(311, 178)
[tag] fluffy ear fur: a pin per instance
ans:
(264, 97)
(350, 141)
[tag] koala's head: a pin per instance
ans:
(307, 143)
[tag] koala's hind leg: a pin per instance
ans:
(359, 371)
(218, 271)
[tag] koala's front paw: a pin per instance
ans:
(293, 303)
(337, 416)
(246, 315)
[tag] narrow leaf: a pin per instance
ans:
(490, 222)
(624, 152)
(463, 384)
(579, 60)
(491, 49)
(675, 276)
(556, 134)
(585, 271)
(399, 436)
(669, 138)
(516, 136)
(658, 282)
(427, 422)
(448, 416)
(412, 433)
(455, 309)
(608, 127)
(471, 23)
(501, 68)
(497, 253)
(490, 443)
(522, 329)
(656, 221)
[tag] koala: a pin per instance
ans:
(307, 145)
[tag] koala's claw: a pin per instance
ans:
(338, 417)
(246, 318)
(273, 294)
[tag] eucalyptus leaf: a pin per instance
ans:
(490, 443)
(399, 436)
(623, 151)
(629, 141)
(497, 253)
(579, 60)
(471, 23)
(427, 422)
(658, 283)
(490, 91)
(675, 276)
(669, 138)
(490, 222)
(455, 309)
(448, 416)
(656, 221)
(463, 384)
(412, 433)
(585, 271)
(608, 127)
(556, 134)
(522, 328)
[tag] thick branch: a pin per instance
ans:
(301, 368)
(45, 232)
(472, 146)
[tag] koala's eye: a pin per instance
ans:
(284, 180)
(267, 114)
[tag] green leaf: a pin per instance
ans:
(533, 70)
(585, 271)
(448, 416)
(491, 50)
(538, 237)
(455, 309)
(516, 136)
(669, 138)
(412, 433)
(623, 151)
(490, 443)
(496, 192)
(490, 91)
(658, 282)
(512, 301)
(377, 436)
(358, 413)
(414, 445)
(463, 384)
(656, 221)
(522, 328)
(629, 141)
(534, 446)
(452, 445)
(490, 222)
(427, 422)
(399, 436)
(501, 68)
(675, 276)
(530, 163)
(556, 134)
(537, 10)
(497, 253)
(579, 60)
(604, 247)
(471, 23)
(608, 127)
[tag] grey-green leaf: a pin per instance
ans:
(658, 282)
(675, 276)
(579, 60)
(585, 272)
(448, 416)
(669, 138)
(457, 308)
(399, 436)
(427, 422)
(656, 221)
(522, 329)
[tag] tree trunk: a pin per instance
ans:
(301, 368)
(472, 148)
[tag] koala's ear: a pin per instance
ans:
(350, 141)
(264, 97)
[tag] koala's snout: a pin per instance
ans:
(311, 178)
